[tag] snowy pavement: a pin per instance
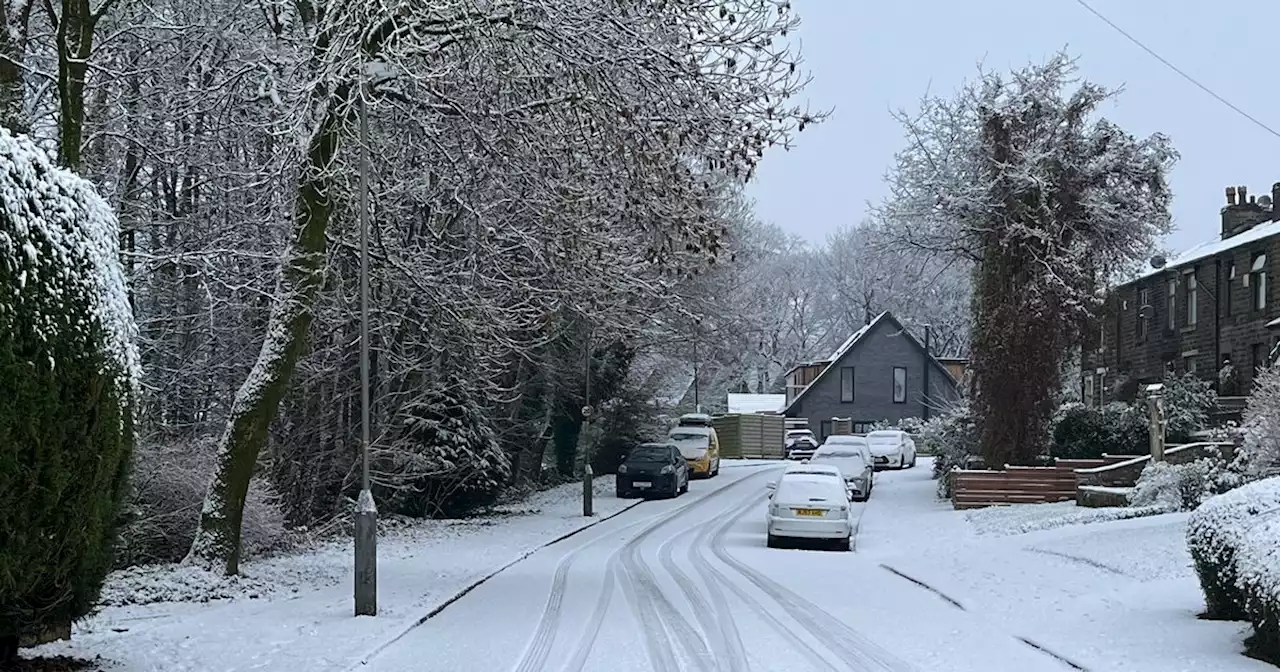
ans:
(688, 584)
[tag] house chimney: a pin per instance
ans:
(1275, 202)
(1243, 212)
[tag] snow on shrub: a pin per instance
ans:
(952, 437)
(1257, 570)
(1260, 450)
(444, 458)
(1175, 487)
(69, 373)
(1215, 532)
(1188, 401)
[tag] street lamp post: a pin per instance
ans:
(366, 532)
(585, 438)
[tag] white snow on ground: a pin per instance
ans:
(675, 585)
(1003, 520)
(1107, 594)
(295, 612)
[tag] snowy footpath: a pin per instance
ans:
(688, 584)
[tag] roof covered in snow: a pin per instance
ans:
(853, 339)
(1215, 247)
(756, 403)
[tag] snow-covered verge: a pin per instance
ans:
(294, 611)
(1023, 518)
(1107, 594)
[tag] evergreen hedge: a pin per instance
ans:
(67, 379)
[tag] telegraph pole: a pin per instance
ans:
(366, 575)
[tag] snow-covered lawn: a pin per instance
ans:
(1019, 519)
(1104, 592)
(294, 612)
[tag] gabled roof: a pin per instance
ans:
(853, 341)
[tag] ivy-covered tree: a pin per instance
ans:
(1049, 202)
(68, 377)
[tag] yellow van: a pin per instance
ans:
(698, 443)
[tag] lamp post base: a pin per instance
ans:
(366, 578)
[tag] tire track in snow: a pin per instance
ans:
(539, 646)
(657, 643)
(856, 650)
(714, 578)
(702, 611)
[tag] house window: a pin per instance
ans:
(863, 427)
(1144, 312)
(899, 385)
(1226, 292)
(1255, 356)
(1190, 296)
(1189, 364)
(1258, 281)
(1088, 390)
(846, 384)
(1171, 303)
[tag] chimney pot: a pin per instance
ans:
(1275, 202)
(1243, 191)
(1231, 195)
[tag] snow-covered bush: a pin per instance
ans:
(952, 437)
(1081, 432)
(169, 484)
(1260, 449)
(1228, 380)
(443, 458)
(1177, 487)
(1257, 569)
(1215, 532)
(1188, 401)
(68, 380)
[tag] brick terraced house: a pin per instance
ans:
(1215, 303)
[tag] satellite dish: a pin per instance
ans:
(1264, 201)
(1158, 261)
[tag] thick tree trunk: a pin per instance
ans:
(217, 542)
(74, 40)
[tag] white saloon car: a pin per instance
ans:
(892, 448)
(854, 461)
(810, 506)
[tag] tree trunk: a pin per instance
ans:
(13, 113)
(217, 541)
(74, 40)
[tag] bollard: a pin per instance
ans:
(587, 493)
(366, 583)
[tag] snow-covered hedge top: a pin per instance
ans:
(1222, 521)
(59, 237)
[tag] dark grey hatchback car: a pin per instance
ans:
(653, 469)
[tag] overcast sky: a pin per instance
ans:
(868, 58)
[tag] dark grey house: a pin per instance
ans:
(880, 373)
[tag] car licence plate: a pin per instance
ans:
(642, 484)
(808, 513)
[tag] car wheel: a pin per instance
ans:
(773, 542)
(622, 494)
(842, 544)
(685, 488)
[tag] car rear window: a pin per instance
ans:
(809, 488)
(838, 454)
(647, 454)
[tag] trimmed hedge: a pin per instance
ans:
(1233, 539)
(68, 375)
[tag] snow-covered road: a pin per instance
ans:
(687, 584)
